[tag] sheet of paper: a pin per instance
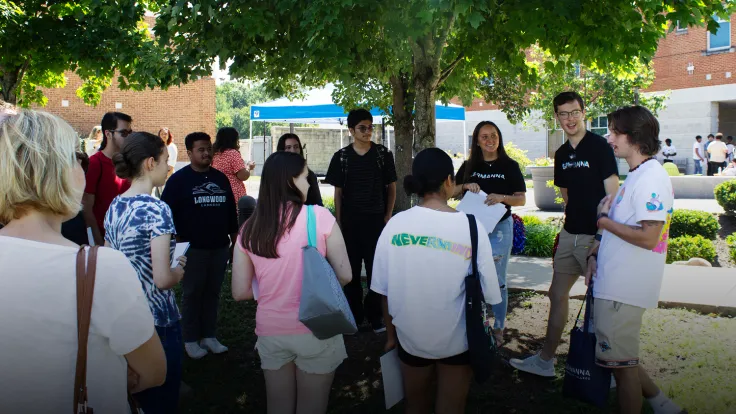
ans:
(90, 237)
(393, 387)
(180, 250)
(474, 204)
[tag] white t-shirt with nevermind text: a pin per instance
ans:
(627, 273)
(38, 344)
(421, 261)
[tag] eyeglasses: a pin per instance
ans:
(574, 114)
(123, 132)
(363, 129)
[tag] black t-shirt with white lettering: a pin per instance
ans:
(363, 178)
(502, 176)
(582, 171)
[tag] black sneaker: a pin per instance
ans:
(378, 327)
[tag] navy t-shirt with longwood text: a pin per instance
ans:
(582, 171)
(203, 206)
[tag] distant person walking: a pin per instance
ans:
(718, 154)
(669, 151)
(699, 155)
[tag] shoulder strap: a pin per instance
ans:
(344, 163)
(474, 244)
(381, 153)
(85, 291)
(311, 227)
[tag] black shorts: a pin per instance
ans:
(418, 362)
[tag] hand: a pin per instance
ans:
(390, 344)
(590, 272)
(605, 205)
(178, 271)
(251, 165)
(492, 199)
(472, 187)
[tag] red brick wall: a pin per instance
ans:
(677, 50)
(184, 109)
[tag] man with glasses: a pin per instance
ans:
(103, 185)
(364, 177)
(586, 171)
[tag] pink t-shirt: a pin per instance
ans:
(280, 280)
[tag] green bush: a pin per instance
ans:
(531, 220)
(725, 193)
(329, 203)
(540, 240)
(517, 154)
(693, 223)
(731, 242)
(686, 247)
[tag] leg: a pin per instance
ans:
(211, 295)
(501, 238)
(559, 298)
(372, 304)
(165, 399)
(193, 285)
(417, 381)
(629, 389)
(453, 384)
(246, 207)
(313, 392)
(354, 288)
(281, 389)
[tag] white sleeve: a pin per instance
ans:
(487, 268)
(173, 154)
(379, 278)
(652, 199)
(120, 310)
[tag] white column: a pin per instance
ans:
(465, 141)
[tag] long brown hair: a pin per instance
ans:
(476, 154)
(279, 204)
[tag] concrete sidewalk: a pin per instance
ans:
(706, 289)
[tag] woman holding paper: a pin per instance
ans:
(142, 227)
(493, 172)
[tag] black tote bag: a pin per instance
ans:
(584, 380)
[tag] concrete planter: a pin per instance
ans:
(544, 197)
(693, 186)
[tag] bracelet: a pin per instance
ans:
(598, 237)
(602, 215)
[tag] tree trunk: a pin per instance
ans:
(425, 117)
(10, 79)
(402, 119)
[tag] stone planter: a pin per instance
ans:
(544, 197)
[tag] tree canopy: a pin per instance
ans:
(96, 39)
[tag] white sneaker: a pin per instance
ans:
(194, 350)
(535, 365)
(213, 345)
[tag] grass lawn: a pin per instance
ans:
(691, 356)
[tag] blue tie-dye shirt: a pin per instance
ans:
(131, 223)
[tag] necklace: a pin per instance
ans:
(642, 163)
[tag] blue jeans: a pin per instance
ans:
(502, 240)
(698, 167)
(165, 399)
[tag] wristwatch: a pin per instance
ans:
(601, 215)
(598, 236)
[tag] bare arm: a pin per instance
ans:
(390, 200)
(243, 274)
(243, 174)
(88, 201)
(338, 204)
(646, 236)
(164, 276)
(148, 361)
(697, 152)
(337, 255)
(563, 192)
(611, 184)
(389, 322)
(516, 200)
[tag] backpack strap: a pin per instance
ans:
(344, 163)
(311, 227)
(86, 269)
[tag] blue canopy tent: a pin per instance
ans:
(317, 107)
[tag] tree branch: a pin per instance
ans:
(440, 46)
(448, 70)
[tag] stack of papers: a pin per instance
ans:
(474, 204)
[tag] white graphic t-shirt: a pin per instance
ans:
(627, 273)
(699, 146)
(422, 258)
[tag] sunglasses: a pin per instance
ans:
(363, 129)
(123, 132)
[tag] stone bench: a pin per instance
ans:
(694, 186)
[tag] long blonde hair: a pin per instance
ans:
(93, 134)
(37, 162)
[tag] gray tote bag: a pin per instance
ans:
(323, 308)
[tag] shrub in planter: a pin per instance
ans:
(329, 203)
(693, 223)
(684, 248)
(530, 220)
(725, 194)
(731, 242)
(540, 240)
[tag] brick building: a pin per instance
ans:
(696, 68)
(183, 109)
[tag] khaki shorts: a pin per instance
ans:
(311, 355)
(571, 257)
(617, 329)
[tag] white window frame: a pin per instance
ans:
(679, 29)
(720, 20)
(599, 119)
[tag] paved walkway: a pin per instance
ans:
(707, 289)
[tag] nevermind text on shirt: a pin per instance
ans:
(406, 239)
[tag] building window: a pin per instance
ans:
(680, 29)
(578, 71)
(599, 125)
(721, 39)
